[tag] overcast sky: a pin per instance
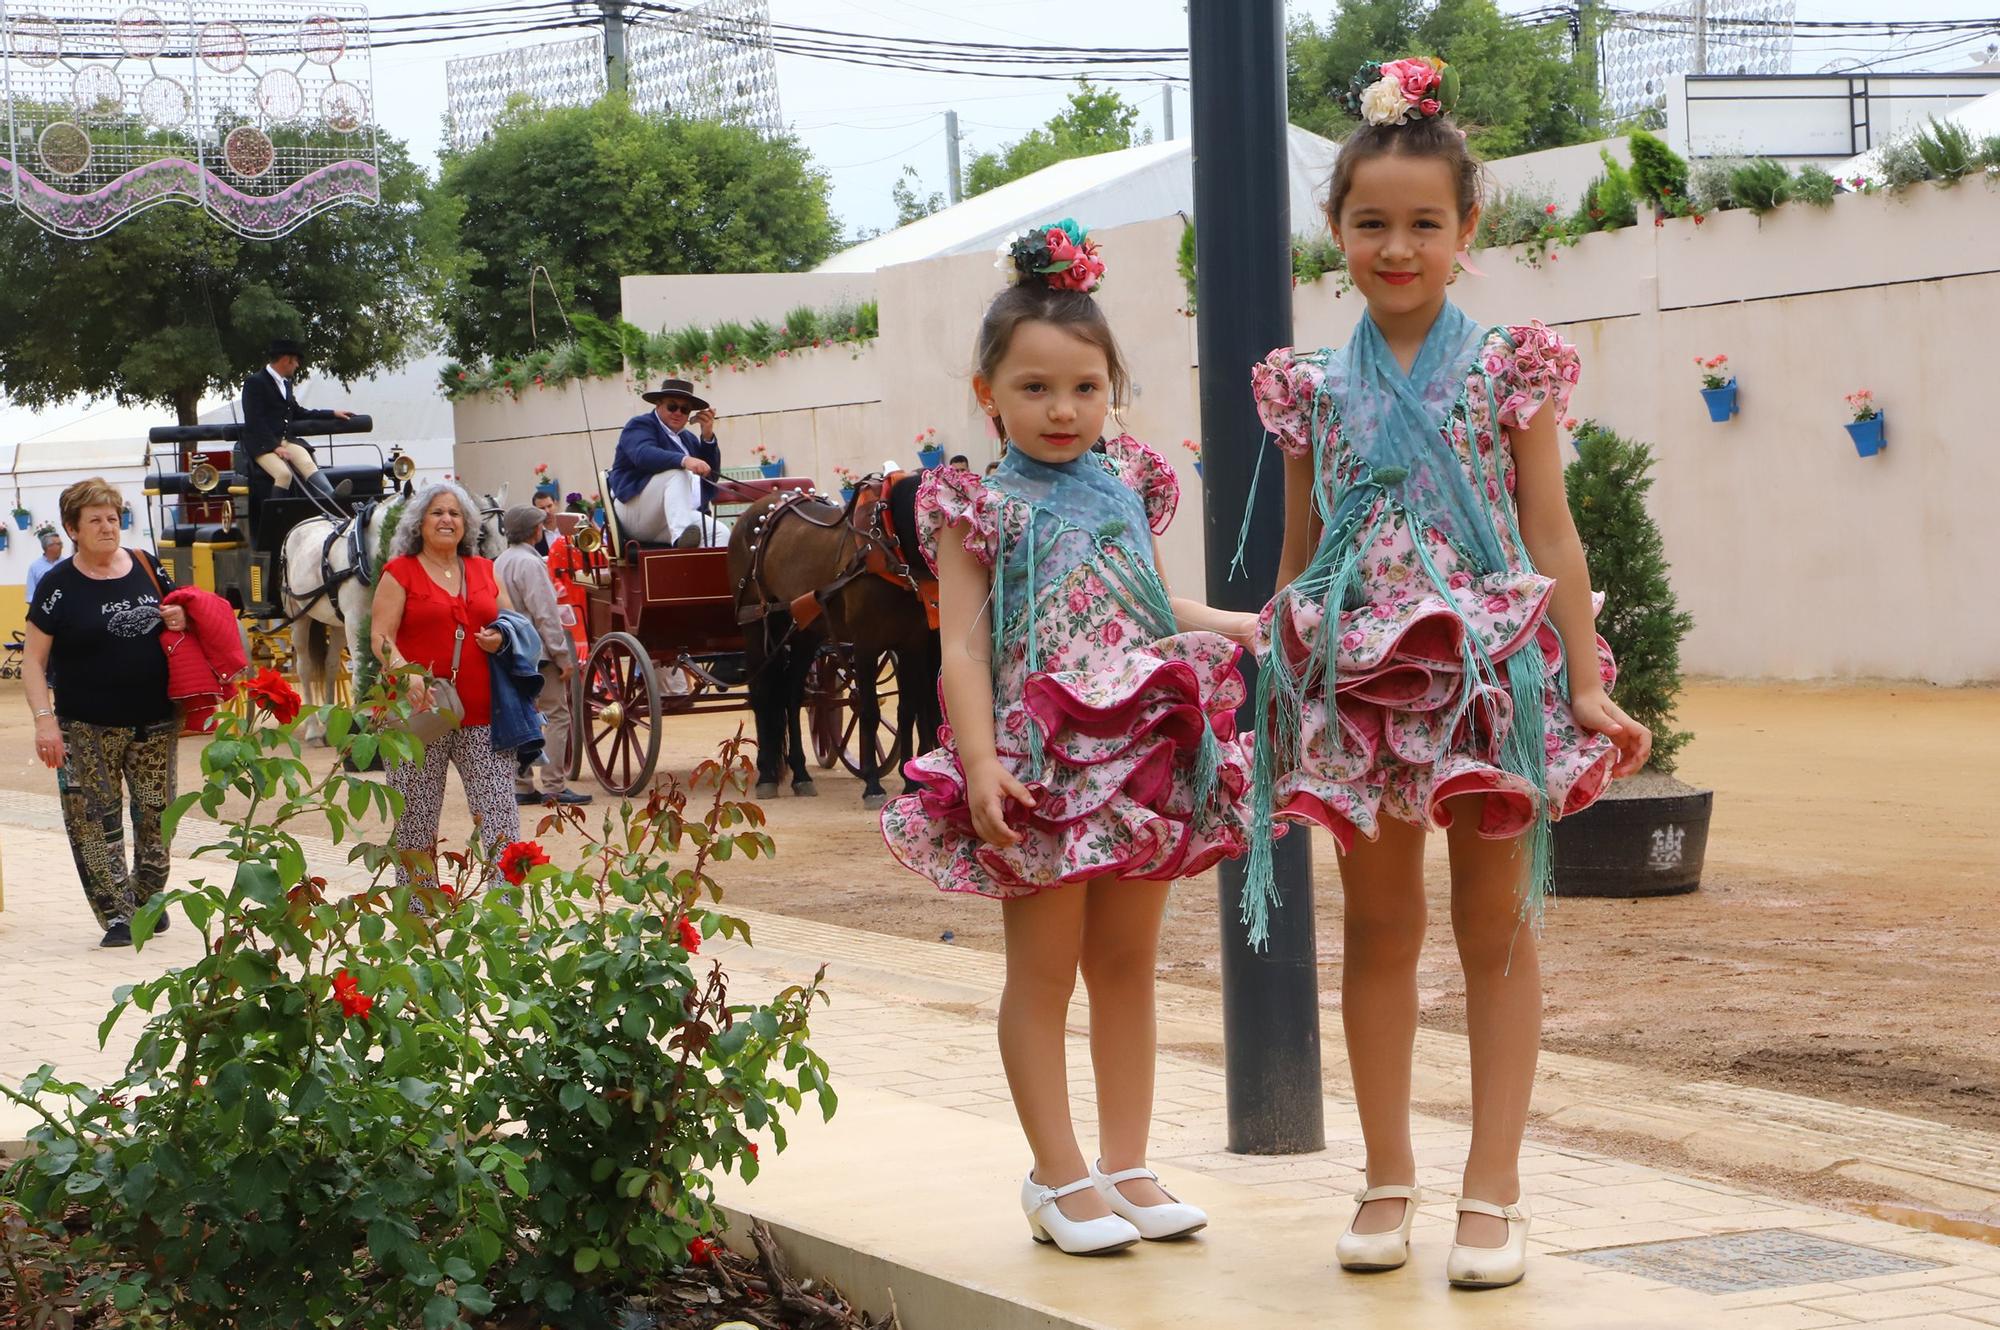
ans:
(863, 124)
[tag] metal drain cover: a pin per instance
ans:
(1744, 1262)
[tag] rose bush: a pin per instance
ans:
(411, 1106)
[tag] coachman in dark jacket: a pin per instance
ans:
(269, 411)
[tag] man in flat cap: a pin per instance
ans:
(663, 478)
(269, 411)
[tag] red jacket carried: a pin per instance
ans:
(202, 661)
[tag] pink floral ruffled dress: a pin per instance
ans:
(1421, 707)
(1123, 729)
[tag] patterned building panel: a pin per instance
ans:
(1641, 51)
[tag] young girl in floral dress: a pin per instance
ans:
(1430, 659)
(1091, 755)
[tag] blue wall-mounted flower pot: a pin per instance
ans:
(1197, 468)
(22, 518)
(847, 493)
(772, 470)
(1868, 434)
(930, 459)
(5, 536)
(124, 519)
(1721, 401)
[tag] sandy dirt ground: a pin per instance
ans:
(1842, 944)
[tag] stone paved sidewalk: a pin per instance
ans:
(927, 1128)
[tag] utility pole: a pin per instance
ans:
(614, 43)
(1586, 53)
(1167, 100)
(1243, 253)
(951, 155)
(1701, 36)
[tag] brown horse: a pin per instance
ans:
(809, 571)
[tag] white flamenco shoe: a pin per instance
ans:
(1491, 1267)
(1156, 1223)
(1078, 1237)
(1379, 1251)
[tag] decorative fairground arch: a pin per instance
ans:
(260, 113)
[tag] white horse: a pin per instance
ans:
(318, 555)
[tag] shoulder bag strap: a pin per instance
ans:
(458, 630)
(139, 557)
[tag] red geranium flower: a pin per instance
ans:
(272, 691)
(751, 1146)
(347, 992)
(690, 935)
(700, 1251)
(517, 859)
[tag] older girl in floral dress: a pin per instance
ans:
(1430, 660)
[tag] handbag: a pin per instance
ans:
(447, 709)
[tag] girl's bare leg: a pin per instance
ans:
(1383, 931)
(1503, 1012)
(1121, 944)
(1044, 942)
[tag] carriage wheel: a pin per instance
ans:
(827, 688)
(576, 722)
(884, 741)
(622, 713)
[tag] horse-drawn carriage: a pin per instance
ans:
(217, 523)
(674, 631)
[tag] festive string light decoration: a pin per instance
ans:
(262, 114)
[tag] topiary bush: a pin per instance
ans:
(1611, 201)
(1642, 619)
(411, 1106)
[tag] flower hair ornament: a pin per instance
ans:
(1061, 256)
(1400, 91)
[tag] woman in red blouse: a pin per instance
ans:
(436, 595)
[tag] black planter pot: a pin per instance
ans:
(1633, 847)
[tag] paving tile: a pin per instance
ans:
(1900, 1302)
(1777, 1318)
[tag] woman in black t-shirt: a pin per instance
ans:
(110, 733)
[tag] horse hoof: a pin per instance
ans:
(767, 789)
(805, 789)
(871, 802)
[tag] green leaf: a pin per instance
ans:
(260, 883)
(483, 1246)
(475, 1299)
(416, 1091)
(458, 1270)
(586, 1260)
(571, 1096)
(440, 1313)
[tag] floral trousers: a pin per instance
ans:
(488, 778)
(106, 770)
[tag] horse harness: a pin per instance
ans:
(877, 550)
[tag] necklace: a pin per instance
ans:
(447, 571)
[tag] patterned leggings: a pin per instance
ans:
(488, 778)
(97, 761)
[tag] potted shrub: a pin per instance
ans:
(1195, 449)
(848, 483)
(1649, 834)
(1868, 425)
(772, 467)
(546, 483)
(930, 453)
(1718, 387)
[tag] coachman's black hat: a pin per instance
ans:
(284, 346)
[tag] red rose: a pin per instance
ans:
(1550, 209)
(700, 1251)
(690, 934)
(347, 991)
(517, 859)
(751, 1146)
(272, 691)
(1114, 633)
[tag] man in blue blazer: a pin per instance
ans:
(662, 480)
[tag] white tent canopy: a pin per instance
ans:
(1110, 189)
(1981, 119)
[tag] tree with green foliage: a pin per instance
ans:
(593, 193)
(910, 205)
(1095, 121)
(1521, 90)
(172, 305)
(1642, 619)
